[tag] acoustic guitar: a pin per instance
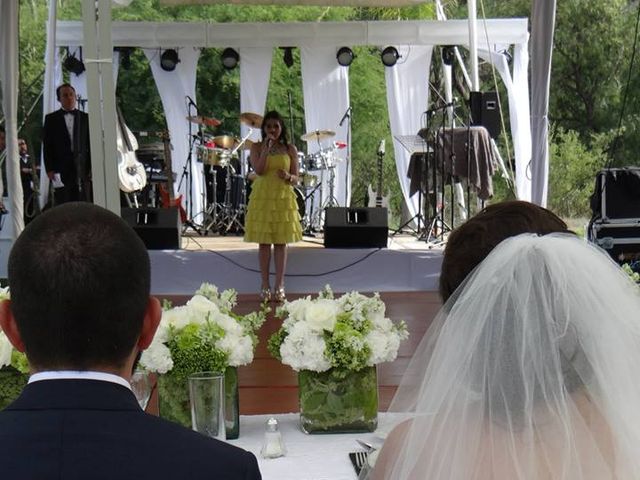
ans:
(131, 174)
(167, 197)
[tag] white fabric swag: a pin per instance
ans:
(407, 100)
(174, 87)
(255, 72)
(325, 86)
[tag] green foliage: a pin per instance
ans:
(274, 342)
(192, 350)
(346, 347)
(572, 171)
(12, 382)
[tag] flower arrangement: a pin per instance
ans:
(14, 368)
(202, 335)
(349, 333)
(335, 344)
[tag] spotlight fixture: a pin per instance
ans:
(287, 56)
(389, 56)
(168, 60)
(448, 54)
(230, 58)
(73, 65)
(345, 56)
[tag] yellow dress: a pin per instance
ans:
(272, 212)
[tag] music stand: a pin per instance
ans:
(414, 144)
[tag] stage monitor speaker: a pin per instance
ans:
(485, 111)
(159, 228)
(355, 227)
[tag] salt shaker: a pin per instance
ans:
(273, 445)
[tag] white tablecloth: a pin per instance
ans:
(309, 457)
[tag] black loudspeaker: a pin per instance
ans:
(355, 227)
(159, 228)
(616, 197)
(485, 111)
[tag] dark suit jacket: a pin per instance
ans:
(72, 161)
(88, 429)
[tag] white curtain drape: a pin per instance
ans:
(407, 100)
(325, 86)
(518, 93)
(255, 72)
(543, 15)
(9, 78)
(174, 87)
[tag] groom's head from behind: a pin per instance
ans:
(79, 278)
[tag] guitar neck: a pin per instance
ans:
(166, 141)
(379, 192)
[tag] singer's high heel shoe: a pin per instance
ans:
(265, 294)
(279, 295)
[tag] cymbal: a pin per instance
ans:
(246, 145)
(206, 121)
(251, 119)
(317, 135)
(225, 141)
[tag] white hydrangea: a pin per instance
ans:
(303, 349)
(238, 347)
(384, 346)
(5, 350)
(157, 358)
(297, 308)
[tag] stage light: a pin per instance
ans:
(389, 56)
(345, 56)
(448, 55)
(230, 58)
(287, 56)
(73, 65)
(168, 60)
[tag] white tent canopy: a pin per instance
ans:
(324, 35)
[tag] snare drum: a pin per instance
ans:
(314, 161)
(213, 156)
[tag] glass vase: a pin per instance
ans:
(173, 400)
(12, 382)
(338, 401)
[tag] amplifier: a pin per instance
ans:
(365, 227)
(620, 240)
(159, 228)
(617, 195)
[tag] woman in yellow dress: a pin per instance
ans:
(272, 214)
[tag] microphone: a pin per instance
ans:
(381, 147)
(437, 108)
(345, 116)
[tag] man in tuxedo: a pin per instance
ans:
(80, 308)
(67, 156)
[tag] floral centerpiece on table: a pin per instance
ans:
(14, 369)
(334, 344)
(202, 335)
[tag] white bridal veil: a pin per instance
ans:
(530, 371)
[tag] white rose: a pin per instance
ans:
(202, 305)
(177, 317)
(321, 315)
(228, 324)
(297, 308)
(6, 349)
(384, 346)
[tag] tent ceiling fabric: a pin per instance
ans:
(321, 3)
(200, 34)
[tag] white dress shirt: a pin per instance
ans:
(68, 120)
(78, 375)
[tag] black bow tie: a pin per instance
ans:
(70, 112)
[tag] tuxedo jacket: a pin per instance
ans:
(89, 429)
(71, 159)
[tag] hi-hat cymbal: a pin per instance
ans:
(225, 141)
(251, 119)
(206, 121)
(317, 135)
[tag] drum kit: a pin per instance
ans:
(228, 189)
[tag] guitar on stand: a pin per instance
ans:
(376, 199)
(132, 176)
(167, 197)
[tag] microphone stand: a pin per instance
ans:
(186, 174)
(347, 160)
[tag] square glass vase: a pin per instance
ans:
(338, 400)
(173, 400)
